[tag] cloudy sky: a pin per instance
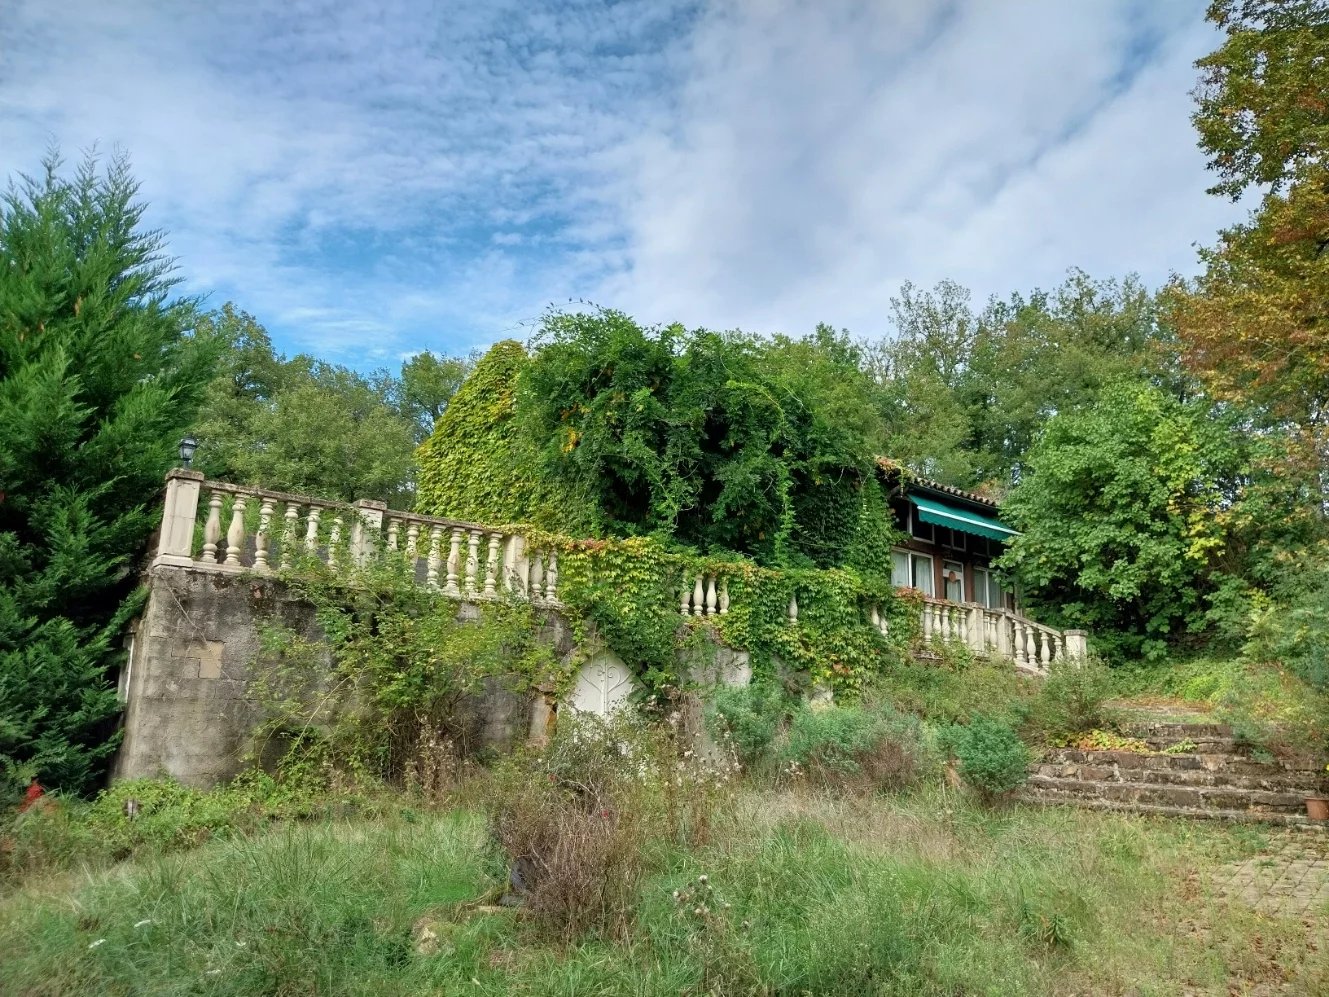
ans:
(374, 177)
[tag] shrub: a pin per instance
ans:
(993, 760)
(580, 825)
(854, 746)
(1071, 699)
(749, 717)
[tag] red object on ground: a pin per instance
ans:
(35, 792)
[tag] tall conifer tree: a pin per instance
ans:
(100, 374)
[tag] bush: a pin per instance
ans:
(854, 746)
(581, 824)
(1071, 699)
(993, 760)
(748, 717)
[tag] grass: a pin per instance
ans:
(916, 894)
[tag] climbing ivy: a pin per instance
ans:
(477, 466)
(629, 594)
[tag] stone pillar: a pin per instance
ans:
(367, 526)
(977, 630)
(1076, 644)
(175, 543)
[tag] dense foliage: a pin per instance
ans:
(100, 375)
(722, 441)
(1124, 511)
(477, 465)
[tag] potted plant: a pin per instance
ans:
(1317, 806)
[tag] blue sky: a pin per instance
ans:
(372, 179)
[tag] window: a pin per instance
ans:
(920, 529)
(952, 578)
(987, 589)
(910, 570)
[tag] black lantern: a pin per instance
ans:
(187, 447)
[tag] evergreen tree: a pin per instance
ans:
(100, 374)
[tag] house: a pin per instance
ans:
(952, 539)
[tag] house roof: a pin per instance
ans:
(916, 482)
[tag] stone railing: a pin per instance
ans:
(1000, 633)
(462, 560)
(256, 530)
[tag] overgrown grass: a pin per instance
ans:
(804, 894)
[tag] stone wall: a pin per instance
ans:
(188, 687)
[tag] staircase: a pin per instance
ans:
(1211, 777)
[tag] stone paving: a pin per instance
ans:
(1292, 878)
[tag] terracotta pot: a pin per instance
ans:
(1317, 807)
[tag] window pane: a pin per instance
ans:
(900, 569)
(952, 573)
(923, 573)
(981, 586)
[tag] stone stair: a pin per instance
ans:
(1212, 777)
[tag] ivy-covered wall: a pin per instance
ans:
(477, 466)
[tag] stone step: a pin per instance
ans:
(1300, 821)
(1275, 778)
(1184, 796)
(1177, 731)
(1212, 762)
(1196, 745)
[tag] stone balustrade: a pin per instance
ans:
(1000, 633)
(256, 530)
(247, 529)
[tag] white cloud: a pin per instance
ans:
(377, 178)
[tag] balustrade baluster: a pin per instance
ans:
(685, 596)
(412, 543)
(311, 529)
(874, 617)
(472, 561)
(793, 608)
(435, 556)
(537, 574)
(265, 511)
(334, 541)
(711, 597)
(697, 597)
(454, 564)
(724, 596)
(491, 567)
(290, 523)
(212, 528)
(235, 535)
(394, 525)
(1045, 649)
(551, 577)
(925, 622)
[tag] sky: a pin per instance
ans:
(370, 179)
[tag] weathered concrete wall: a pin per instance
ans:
(189, 708)
(190, 684)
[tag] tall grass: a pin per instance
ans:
(803, 894)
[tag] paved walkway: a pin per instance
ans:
(1291, 879)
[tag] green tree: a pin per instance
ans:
(307, 426)
(1125, 511)
(1253, 325)
(719, 440)
(100, 375)
(964, 392)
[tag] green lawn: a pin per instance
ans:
(910, 895)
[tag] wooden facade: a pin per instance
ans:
(951, 563)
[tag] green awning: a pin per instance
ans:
(930, 511)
